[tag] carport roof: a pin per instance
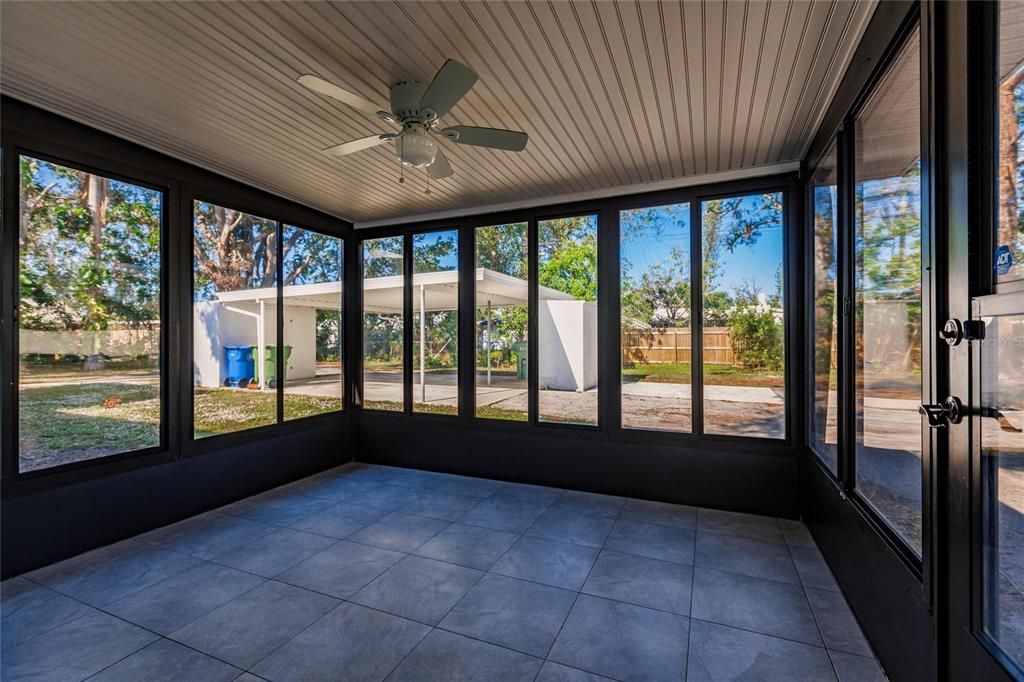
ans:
(384, 294)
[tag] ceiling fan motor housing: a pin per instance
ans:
(405, 100)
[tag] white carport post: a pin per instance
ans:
(488, 343)
(423, 344)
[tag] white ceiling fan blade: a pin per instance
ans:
(451, 83)
(359, 145)
(318, 84)
(440, 168)
(494, 138)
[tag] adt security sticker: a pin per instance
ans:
(1004, 259)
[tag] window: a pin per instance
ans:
(742, 281)
(1009, 244)
(567, 319)
(435, 304)
(826, 295)
(887, 307)
(654, 265)
(383, 321)
(89, 264)
(502, 313)
(234, 320)
(312, 273)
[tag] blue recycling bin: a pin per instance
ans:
(240, 367)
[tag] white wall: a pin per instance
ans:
(567, 343)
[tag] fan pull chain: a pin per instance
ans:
(401, 164)
(427, 191)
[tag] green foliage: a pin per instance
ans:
(756, 338)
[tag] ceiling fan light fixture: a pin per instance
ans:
(416, 148)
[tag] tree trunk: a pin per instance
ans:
(97, 199)
(1009, 137)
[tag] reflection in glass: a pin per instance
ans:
(743, 285)
(1002, 451)
(312, 275)
(654, 261)
(502, 312)
(383, 319)
(88, 316)
(435, 304)
(826, 399)
(234, 319)
(1009, 244)
(887, 310)
(567, 319)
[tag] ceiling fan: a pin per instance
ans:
(417, 107)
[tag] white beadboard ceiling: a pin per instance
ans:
(612, 94)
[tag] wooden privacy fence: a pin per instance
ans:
(670, 344)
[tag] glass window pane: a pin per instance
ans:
(502, 310)
(887, 312)
(435, 304)
(234, 319)
(88, 314)
(383, 321)
(742, 279)
(826, 396)
(313, 269)
(1002, 451)
(1009, 244)
(567, 319)
(654, 262)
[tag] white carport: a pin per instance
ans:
(248, 317)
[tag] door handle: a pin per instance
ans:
(950, 411)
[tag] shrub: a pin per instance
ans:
(756, 339)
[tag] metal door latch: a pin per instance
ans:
(950, 411)
(955, 331)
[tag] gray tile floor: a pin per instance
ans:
(370, 573)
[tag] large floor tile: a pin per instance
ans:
(418, 588)
(796, 533)
(112, 576)
(512, 613)
(466, 486)
(504, 512)
(623, 641)
(340, 488)
(349, 643)
(75, 650)
(638, 580)
(441, 505)
(813, 570)
(179, 600)
(838, 627)
(471, 546)
(558, 564)
(766, 606)
(216, 537)
(276, 551)
(388, 497)
(573, 527)
(719, 654)
(651, 540)
(399, 532)
(340, 520)
(538, 494)
(447, 657)
(852, 668)
(341, 569)
(28, 609)
(253, 625)
(556, 672)
(748, 557)
(605, 506)
(661, 513)
(286, 509)
(167, 661)
(741, 525)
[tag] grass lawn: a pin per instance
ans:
(483, 412)
(72, 422)
(714, 375)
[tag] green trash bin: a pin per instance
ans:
(520, 348)
(270, 360)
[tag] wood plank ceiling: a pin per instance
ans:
(611, 94)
